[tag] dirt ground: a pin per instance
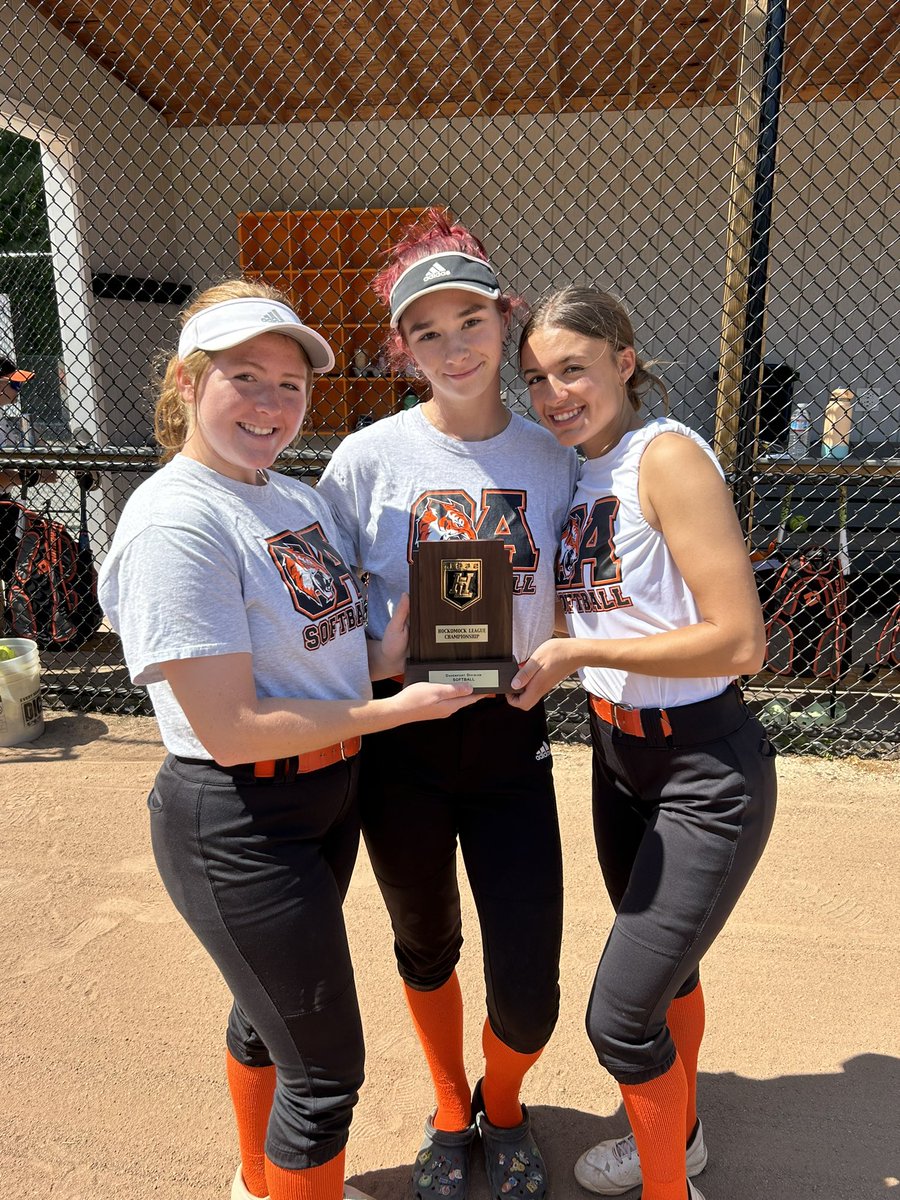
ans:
(113, 1020)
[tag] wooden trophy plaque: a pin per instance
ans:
(460, 619)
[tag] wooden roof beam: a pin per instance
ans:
(472, 72)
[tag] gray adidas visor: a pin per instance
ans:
(438, 272)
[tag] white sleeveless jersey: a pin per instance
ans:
(616, 577)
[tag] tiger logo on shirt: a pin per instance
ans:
(569, 545)
(588, 568)
(309, 577)
(444, 521)
(320, 584)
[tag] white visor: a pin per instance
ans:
(235, 321)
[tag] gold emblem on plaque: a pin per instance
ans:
(461, 582)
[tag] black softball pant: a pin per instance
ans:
(259, 870)
(679, 830)
(9, 541)
(482, 780)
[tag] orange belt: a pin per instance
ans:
(626, 719)
(313, 760)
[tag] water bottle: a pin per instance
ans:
(838, 423)
(801, 424)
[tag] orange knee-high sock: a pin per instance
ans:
(656, 1113)
(504, 1070)
(686, 1018)
(325, 1182)
(438, 1018)
(252, 1089)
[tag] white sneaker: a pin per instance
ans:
(694, 1193)
(613, 1167)
(239, 1191)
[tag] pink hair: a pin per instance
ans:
(434, 233)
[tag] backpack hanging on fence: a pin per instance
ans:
(887, 653)
(52, 595)
(805, 610)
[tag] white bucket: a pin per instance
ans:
(21, 714)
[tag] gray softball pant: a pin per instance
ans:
(679, 827)
(259, 870)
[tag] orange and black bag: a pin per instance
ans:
(52, 592)
(805, 610)
(887, 652)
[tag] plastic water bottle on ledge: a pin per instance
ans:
(798, 438)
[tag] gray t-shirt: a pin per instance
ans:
(202, 565)
(400, 482)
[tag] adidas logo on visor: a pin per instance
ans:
(272, 317)
(435, 272)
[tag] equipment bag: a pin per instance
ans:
(805, 610)
(52, 596)
(887, 653)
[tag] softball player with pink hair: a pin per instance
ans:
(457, 466)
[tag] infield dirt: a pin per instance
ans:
(113, 1020)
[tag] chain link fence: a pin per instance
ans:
(729, 169)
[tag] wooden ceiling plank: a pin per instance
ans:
(111, 45)
(207, 62)
(546, 30)
(848, 35)
(95, 41)
(237, 80)
(408, 81)
(463, 44)
(881, 59)
(268, 16)
(200, 70)
(551, 55)
(233, 48)
(724, 55)
(334, 25)
(637, 53)
(812, 93)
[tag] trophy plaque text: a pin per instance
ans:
(460, 619)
